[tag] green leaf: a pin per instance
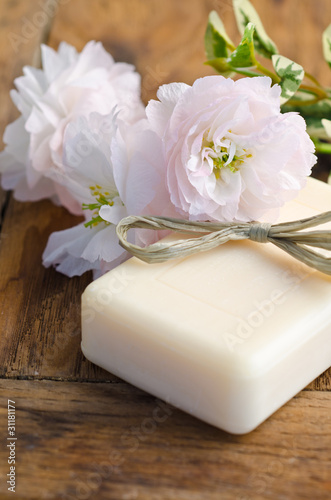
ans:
(217, 42)
(326, 39)
(245, 13)
(243, 56)
(291, 75)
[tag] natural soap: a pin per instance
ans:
(228, 335)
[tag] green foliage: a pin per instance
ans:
(241, 58)
(245, 13)
(291, 75)
(217, 42)
(300, 91)
(218, 45)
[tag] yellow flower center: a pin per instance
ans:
(102, 197)
(224, 154)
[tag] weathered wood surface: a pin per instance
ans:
(65, 427)
(111, 441)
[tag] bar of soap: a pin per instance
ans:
(228, 336)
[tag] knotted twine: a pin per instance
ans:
(286, 236)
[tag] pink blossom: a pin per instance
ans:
(228, 153)
(69, 85)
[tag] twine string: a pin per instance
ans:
(259, 232)
(288, 236)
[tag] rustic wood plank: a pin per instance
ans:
(322, 383)
(122, 447)
(40, 309)
(4, 197)
(40, 331)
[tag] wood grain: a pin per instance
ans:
(109, 441)
(40, 309)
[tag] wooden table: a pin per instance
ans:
(82, 433)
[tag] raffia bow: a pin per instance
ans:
(287, 236)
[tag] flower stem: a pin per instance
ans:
(320, 92)
(275, 78)
(313, 79)
(246, 72)
(322, 147)
(300, 103)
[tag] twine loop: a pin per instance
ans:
(288, 236)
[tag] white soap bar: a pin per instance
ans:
(228, 335)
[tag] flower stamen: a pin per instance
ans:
(102, 198)
(224, 154)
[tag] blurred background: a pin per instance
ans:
(163, 39)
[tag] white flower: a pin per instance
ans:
(228, 151)
(106, 170)
(68, 86)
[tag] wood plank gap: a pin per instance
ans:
(71, 379)
(112, 380)
(4, 202)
